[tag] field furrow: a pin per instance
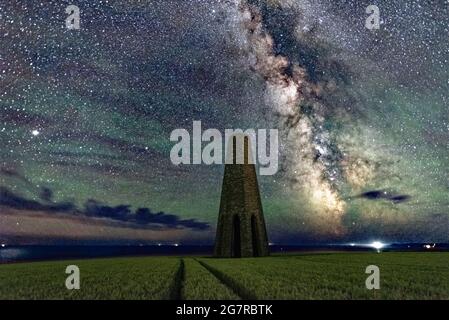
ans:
(200, 284)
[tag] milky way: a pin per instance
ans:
(86, 116)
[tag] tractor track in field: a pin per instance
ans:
(238, 290)
(176, 292)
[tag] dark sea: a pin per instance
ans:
(11, 254)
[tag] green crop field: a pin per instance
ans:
(296, 276)
(120, 278)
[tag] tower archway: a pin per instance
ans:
(236, 240)
(255, 236)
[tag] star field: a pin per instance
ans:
(86, 116)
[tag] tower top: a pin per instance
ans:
(240, 149)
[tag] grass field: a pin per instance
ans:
(301, 276)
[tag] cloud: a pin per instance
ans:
(46, 194)
(142, 218)
(384, 195)
(13, 173)
(10, 199)
(21, 118)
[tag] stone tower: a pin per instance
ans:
(241, 230)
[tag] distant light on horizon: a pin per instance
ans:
(3, 245)
(377, 245)
(35, 132)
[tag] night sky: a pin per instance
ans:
(86, 117)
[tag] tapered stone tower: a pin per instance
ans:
(241, 230)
